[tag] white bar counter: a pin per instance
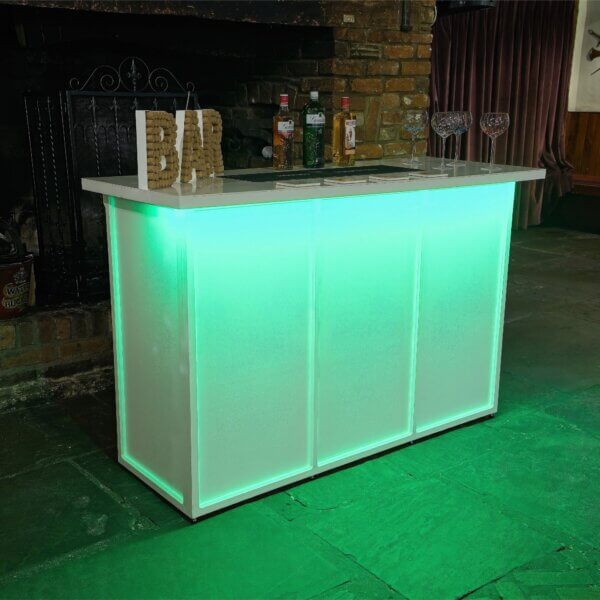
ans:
(265, 335)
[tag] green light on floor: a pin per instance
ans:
(113, 240)
(235, 493)
(157, 481)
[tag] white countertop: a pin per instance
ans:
(226, 192)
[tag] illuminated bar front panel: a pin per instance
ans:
(259, 344)
(252, 306)
(464, 252)
(367, 269)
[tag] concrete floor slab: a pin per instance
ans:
(569, 573)
(525, 299)
(429, 538)
(548, 471)
(446, 450)
(554, 349)
(49, 512)
(521, 256)
(557, 241)
(350, 485)
(581, 409)
(238, 554)
(37, 437)
(587, 310)
(518, 394)
(126, 487)
(572, 278)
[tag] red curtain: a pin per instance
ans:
(513, 58)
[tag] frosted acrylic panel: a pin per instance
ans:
(465, 234)
(146, 288)
(366, 270)
(253, 283)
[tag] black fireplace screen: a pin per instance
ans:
(87, 131)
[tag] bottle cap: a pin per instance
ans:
(345, 102)
(283, 99)
(314, 95)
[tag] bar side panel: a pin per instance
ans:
(463, 265)
(254, 300)
(146, 292)
(367, 261)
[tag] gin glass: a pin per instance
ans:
(443, 124)
(464, 120)
(414, 121)
(493, 124)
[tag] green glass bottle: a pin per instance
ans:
(313, 129)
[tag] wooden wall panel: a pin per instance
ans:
(583, 143)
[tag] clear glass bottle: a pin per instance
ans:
(313, 132)
(344, 135)
(283, 136)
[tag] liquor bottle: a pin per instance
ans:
(344, 135)
(313, 130)
(283, 136)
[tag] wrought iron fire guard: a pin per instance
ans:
(87, 131)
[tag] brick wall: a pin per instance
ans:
(360, 52)
(272, 60)
(46, 351)
(383, 69)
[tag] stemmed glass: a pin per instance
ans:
(414, 121)
(464, 120)
(493, 125)
(443, 124)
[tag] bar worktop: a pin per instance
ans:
(263, 335)
(219, 191)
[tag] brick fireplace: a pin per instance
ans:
(358, 50)
(240, 57)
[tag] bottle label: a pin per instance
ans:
(285, 128)
(315, 120)
(349, 136)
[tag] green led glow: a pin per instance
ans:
(455, 418)
(366, 449)
(157, 481)
(234, 493)
(301, 334)
(117, 321)
(121, 380)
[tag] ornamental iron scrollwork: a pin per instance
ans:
(132, 75)
(87, 130)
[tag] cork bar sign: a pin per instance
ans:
(182, 149)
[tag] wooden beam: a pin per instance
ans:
(281, 12)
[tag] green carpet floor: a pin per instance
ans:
(504, 508)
